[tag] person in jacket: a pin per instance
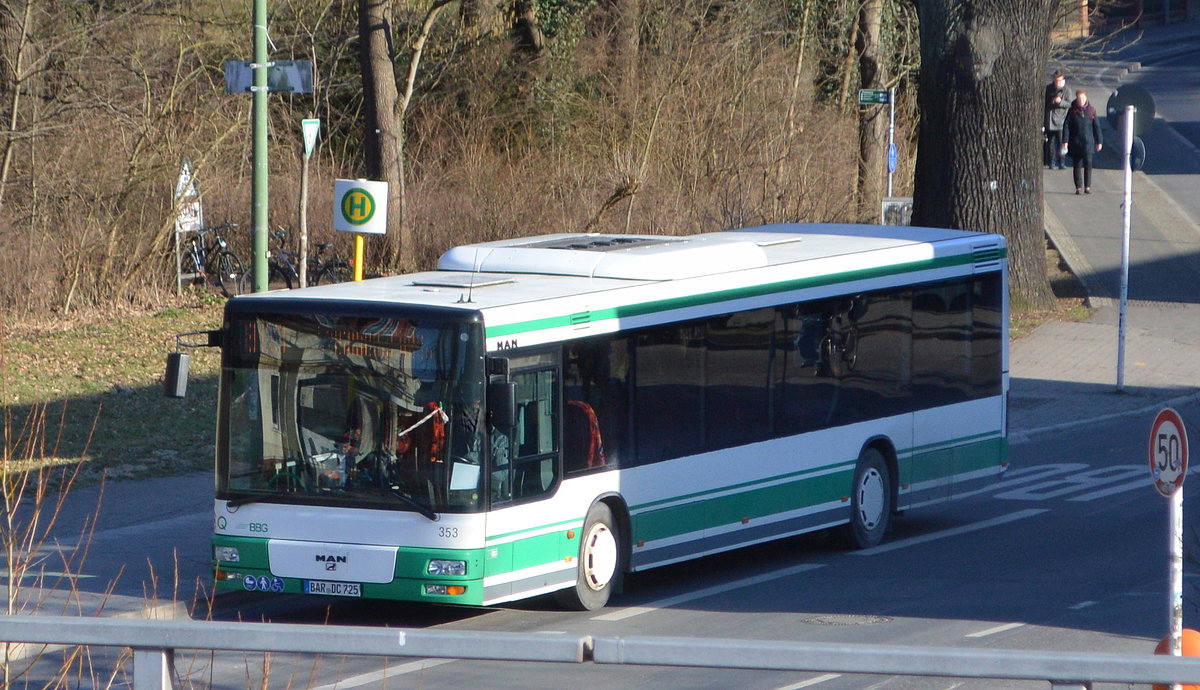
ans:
(1084, 140)
(1057, 103)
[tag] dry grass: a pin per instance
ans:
(101, 378)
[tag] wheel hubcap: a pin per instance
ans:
(599, 556)
(871, 498)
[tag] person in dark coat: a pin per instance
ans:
(1057, 102)
(1084, 140)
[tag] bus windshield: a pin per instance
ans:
(351, 411)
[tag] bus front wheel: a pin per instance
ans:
(870, 501)
(599, 563)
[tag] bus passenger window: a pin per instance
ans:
(583, 444)
(596, 408)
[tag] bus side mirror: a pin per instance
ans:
(502, 403)
(175, 378)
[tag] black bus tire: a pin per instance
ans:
(870, 501)
(598, 568)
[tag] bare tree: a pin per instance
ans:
(982, 64)
(872, 120)
(20, 66)
(386, 111)
(383, 136)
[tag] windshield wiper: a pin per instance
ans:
(236, 502)
(414, 504)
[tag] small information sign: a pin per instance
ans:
(283, 76)
(872, 96)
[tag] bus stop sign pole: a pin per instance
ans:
(360, 207)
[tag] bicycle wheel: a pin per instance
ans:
(334, 273)
(191, 267)
(278, 277)
(230, 273)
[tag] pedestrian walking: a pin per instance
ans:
(1084, 139)
(1057, 103)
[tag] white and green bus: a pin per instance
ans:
(546, 414)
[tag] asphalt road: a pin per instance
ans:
(1067, 553)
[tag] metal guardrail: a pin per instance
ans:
(154, 644)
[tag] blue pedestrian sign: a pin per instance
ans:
(891, 158)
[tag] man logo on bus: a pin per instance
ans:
(358, 206)
(331, 561)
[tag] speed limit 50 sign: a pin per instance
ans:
(1168, 452)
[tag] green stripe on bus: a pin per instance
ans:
(656, 306)
(562, 525)
(806, 474)
(411, 562)
(773, 497)
(674, 521)
(975, 438)
(531, 552)
(986, 454)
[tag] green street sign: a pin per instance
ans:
(872, 96)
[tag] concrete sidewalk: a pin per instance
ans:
(1064, 374)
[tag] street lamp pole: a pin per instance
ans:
(259, 127)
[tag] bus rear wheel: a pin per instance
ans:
(599, 564)
(870, 501)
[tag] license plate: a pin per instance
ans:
(333, 589)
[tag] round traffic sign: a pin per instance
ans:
(1168, 452)
(1139, 98)
(1137, 154)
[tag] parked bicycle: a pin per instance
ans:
(212, 260)
(283, 266)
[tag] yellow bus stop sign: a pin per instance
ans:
(360, 206)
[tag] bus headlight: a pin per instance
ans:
(446, 590)
(441, 567)
(229, 554)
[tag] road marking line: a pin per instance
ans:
(377, 676)
(998, 629)
(49, 575)
(631, 611)
(811, 682)
(1083, 605)
(913, 541)
(1104, 493)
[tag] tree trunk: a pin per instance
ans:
(872, 119)
(383, 140)
(978, 155)
(848, 68)
(624, 49)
